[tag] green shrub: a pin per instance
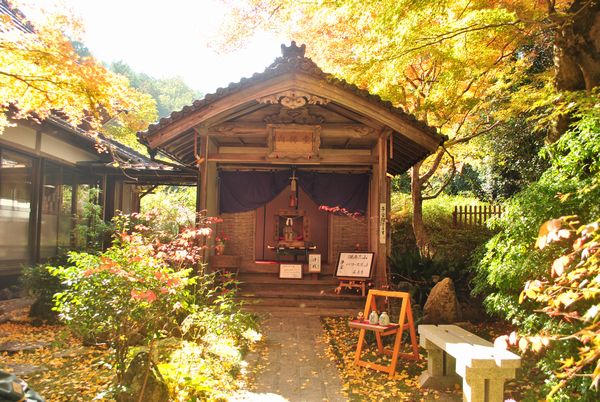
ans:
(40, 283)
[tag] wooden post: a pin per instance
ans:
(204, 170)
(201, 182)
(35, 216)
(198, 195)
(381, 279)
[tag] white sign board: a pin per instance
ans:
(354, 265)
(290, 271)
(314, 263)
(382, 222)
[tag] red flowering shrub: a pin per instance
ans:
(141, 288)
(128, 292)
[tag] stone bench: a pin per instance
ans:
(453, 352)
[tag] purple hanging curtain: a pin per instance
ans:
(246, 191)
(348, 191)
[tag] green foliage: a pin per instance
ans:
(451, 247)
(511, 161)
(40, 283)
(571, 186)
(568, 298)
(91, 231)
(170, 94)
(216, 335)
(465, 182)
(174, 207)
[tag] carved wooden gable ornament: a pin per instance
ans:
(294, 133)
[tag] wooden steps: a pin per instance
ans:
(265, 291)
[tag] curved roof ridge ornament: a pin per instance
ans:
(293, 99)
(293, 50)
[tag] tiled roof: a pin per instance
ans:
(16, 16)
(128, 157)
(293, 60)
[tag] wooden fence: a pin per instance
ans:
(474, 214)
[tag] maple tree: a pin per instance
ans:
(560, 272)
(570, 296)
(42, 74)
(452, 64)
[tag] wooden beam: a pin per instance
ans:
(327, 159)
(241, 129)
(240, 112)
(198, 196)
(260, 155)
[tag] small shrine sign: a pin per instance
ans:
(290, 271)
(355, 265)
(314, 263)
(293, 141)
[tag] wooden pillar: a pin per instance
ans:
(204, 170)
(381, 217)
(35, 215)
(198, 195)
(202, 182)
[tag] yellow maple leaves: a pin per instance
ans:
(41, 74)
(61, 369)
(360, 383)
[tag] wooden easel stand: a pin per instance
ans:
(406, 322)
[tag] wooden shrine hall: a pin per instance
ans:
(295, 162)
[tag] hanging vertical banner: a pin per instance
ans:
(382, 222)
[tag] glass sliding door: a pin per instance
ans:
(15, 205)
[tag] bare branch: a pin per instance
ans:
(447, 181)
(435, 40)
(433, 168)
(473, 135)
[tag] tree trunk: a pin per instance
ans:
(416, 192)
(576, 53)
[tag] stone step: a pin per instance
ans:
(286, 289)
(268, 291)
(297, 293)
(291, 310)
(303, 303)
(274, 279)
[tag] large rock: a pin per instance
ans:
(155, 389)
(442, 305)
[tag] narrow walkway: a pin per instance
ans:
(294, 367)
